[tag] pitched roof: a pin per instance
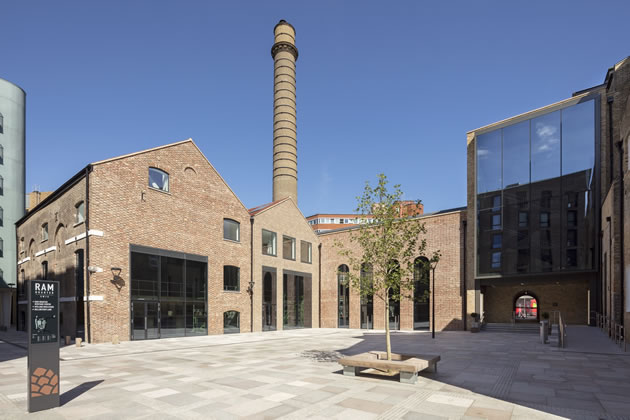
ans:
(259, 209)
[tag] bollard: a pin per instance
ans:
(67, 340)
(78, 342)
(115, 340)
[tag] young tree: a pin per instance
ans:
(388, 244)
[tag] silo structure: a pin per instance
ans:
(12, 177)
(284, 54)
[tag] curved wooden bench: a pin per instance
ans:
(408, 365)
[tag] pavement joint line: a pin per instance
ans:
(3, 341)
(184, 348)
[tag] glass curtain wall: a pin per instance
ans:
(535, 192)
(168, 294)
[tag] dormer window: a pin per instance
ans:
(44, 232)
(158, 179)
(79, 216)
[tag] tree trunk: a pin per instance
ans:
(387, 337)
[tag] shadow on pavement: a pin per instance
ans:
(75, 392)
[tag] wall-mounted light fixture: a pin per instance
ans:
(117, 280)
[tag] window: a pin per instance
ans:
(1, 217)
(288, 248)
(572, 200)
(523, 239)
(545, 239)
(496, 241)
(523, 219)
(521, 197)
(1, 155)
(1, 124)
(545, 199)
(571, 218)
(571, 257)
(231, 322)
(44, 232)
(496, 221)
(269, 243)
(496, 203)
(544, 219)
(231, 230)
(546, 259)
(45, 270)
(496, 260)
(522, 261)
(79, 215)
(306, 252)
(158, 179)
(1, 248)
(231, 278)
(1, 185)
(571, 237)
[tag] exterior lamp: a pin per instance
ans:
(117, 280)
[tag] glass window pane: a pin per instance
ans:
(231, 322)
(545, 146)
(306, 252)
(516, 154)
(268, 243)
(144, 275)
(158, 179)
(172, 281)
(288, 248)
(196, 274)
(196, 318)
(172, 319)
(578, 134)
(231, 230)
(489, 161)
(231, 278)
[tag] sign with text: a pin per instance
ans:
(43, 345)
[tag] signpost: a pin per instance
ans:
(43, 345)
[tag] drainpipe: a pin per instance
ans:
(319, 275)
(251, 273)
(88, 328)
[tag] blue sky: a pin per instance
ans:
(387, 87)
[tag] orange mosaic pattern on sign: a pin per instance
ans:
(44, 382)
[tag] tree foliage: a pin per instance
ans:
(387, 248)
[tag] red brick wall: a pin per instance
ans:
(444, 233)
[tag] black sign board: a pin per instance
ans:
(43, 345)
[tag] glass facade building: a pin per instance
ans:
(536, 185)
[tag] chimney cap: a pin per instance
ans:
(283, 22)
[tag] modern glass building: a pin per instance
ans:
(535, 180)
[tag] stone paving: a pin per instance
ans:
(293, 375)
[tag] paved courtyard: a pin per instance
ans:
(293, 374)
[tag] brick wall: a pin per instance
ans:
(444, 233)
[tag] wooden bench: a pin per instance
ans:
(408, 365)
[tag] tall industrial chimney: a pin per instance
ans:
(284, 54)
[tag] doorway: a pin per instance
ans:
(145, 320)
(269, 303)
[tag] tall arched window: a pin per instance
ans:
(1, 124)
(1, 216)
(343, 289)
(1, 248)
(367, 298)
(421, 295)
(393, 272)
(231, 322)
(1, 155)
(1, 185)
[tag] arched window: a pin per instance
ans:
(60, 233)
(231, 278)
(367, 298)
(79, 214)
(158, 179)
(1, 275)
(421, 295)
(231, 322)
(1, 247)
(1, 124)
(393, 274)
(526, 307)
(231, 230)
(1, 155)
(1, 185)
(1, 216)
(343, 295)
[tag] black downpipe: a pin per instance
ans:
(88, 328)
(319, 282)
(621, 227)
(251, 274)
(610, 141)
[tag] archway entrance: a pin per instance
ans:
(526, 307)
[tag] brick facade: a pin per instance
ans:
(444, 233)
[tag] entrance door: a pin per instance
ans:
(145, 320)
